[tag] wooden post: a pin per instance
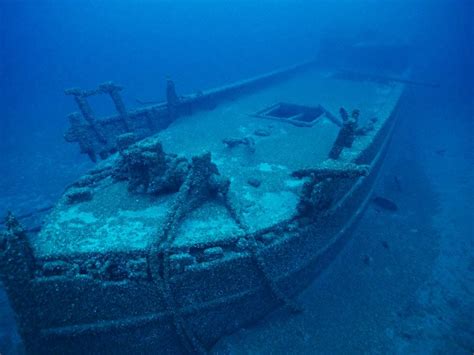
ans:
(80, 97)
(172, 99)
(114, 91)
(16, 273)
(82, 103)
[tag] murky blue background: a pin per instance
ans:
(418, 294)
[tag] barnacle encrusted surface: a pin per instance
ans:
(132, 196)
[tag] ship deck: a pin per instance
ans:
(271, 119)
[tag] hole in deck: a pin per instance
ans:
(297, 114)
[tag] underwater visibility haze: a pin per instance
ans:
(236, 177)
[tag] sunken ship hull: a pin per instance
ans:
(174, 299)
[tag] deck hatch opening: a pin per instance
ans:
(298, 115)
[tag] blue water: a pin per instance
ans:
(417, 295)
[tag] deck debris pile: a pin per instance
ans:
(149, 169)
(235, 142)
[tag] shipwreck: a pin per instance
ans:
(203, 213)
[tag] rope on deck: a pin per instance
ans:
(276, 291)
(202, 182)
(164, 242)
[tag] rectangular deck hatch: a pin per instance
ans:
(298, 115)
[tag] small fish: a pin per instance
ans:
(441, 152)
(385, 203)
